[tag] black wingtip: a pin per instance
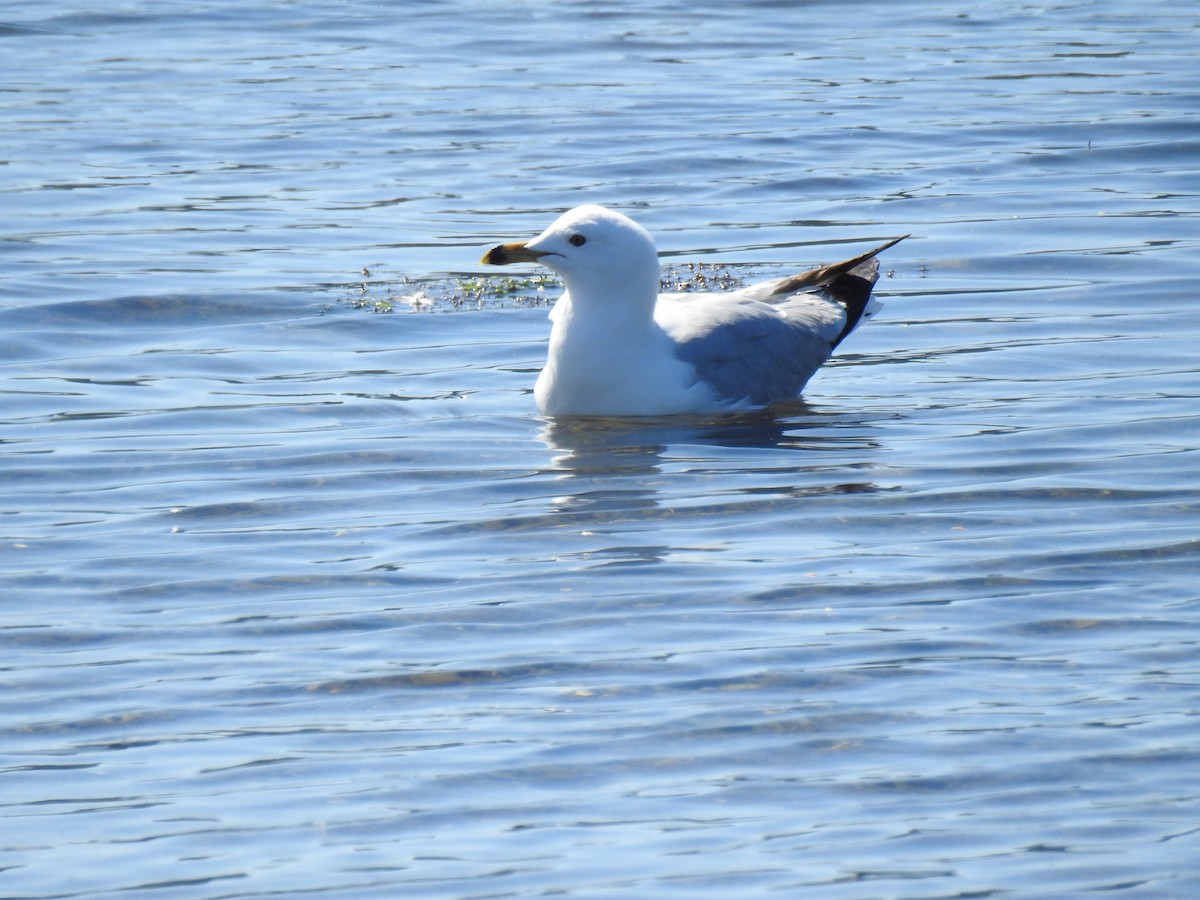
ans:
(852, 286)
(853, 292)
(827, 275)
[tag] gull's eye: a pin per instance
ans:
(577, 240)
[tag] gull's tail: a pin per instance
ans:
(848, 283)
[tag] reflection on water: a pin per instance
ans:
(622, 466)
(593, 444)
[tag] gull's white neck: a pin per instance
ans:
(612, 358)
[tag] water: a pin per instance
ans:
(299, 599)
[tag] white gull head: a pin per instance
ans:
(602, 257)
(607, 355)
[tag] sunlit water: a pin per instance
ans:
(303, 600)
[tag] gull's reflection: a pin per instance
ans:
(624, 445)
(622, 476)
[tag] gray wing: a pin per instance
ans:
(763, 343)
(751, 350)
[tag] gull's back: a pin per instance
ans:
(761, 344)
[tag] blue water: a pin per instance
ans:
(304, 600)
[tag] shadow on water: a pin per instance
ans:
(595, 446)
(619, 466)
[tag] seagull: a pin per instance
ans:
(620, 348)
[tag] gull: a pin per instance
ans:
(620, 348)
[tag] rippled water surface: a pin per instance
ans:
(301, 597)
